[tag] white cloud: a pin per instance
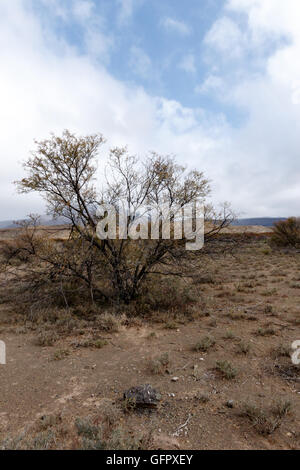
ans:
(96, 37)
(44, 89)
(140, 62)
(83, 9)
(188, 63)
(67, 10)
(213, 83)
(226, 37)
(57, 7)
(172, 25)
(269, 16)
(47, 85)
(261, 156)
(126, 9)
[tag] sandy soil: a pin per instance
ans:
(253, 300)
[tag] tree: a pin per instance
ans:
(62, 169)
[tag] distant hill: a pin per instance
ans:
(7, 224)
(43, 221)
(264, 221)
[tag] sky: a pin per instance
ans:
(216, 83)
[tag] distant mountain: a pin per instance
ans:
(5, 224)
(264, 221)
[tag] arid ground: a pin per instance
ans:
(224, 371)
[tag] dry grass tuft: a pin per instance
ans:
(226, 369)
(264, 420)
(204, 344)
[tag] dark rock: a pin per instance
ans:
(230, 404)
(143, 395)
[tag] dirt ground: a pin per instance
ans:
(251, 315)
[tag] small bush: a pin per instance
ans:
(281, 408)
(226, 369)
(110, 414)
(243, 348)
(158, 365)
(46, 338)
(286, 233)
(268, 309)
(229, 335)
(43, 440)
(267, 331)
(266, 251)
(152, 335)
(204, 344)
(171, 325)
(281, 351)
(266, 421)
(202, 397)
(120, 439)
(269, 292)
(91, 435)
(48, 421)
(109, 322)
(236, 315)
(95, 438)
(60, 354)
(97, 343)
(204, 279)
